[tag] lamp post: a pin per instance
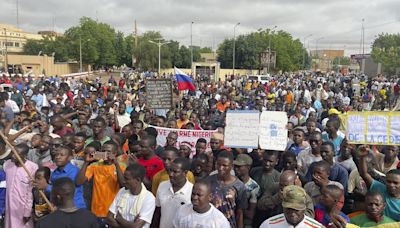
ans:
(191, 47)
(233, 54)
(316, 50)
(269, 49)
(159, 43)
(304, 52)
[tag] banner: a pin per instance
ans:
(273, 131)
(159, 93)
(190, 136)
(241, 129)
(376, 128)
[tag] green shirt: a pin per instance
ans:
(363, 221)
(91, 139)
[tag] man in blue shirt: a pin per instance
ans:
(390, 190)
(65, 169)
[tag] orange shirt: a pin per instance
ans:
(181, 123)
(222, 107)
(289, 98)
(105, 187)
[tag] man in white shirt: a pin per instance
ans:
(172, 194)
(200, 213)
(134, 205)
(294, 206)
(122, 118)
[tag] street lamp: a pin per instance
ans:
(316, 50)
(304, 52)
(233, 54)
(191, 47)
(159, 43)
(269, 48)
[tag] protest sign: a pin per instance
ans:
(273, 132)
(241, 129)
(190, 136)
(376, 128)
(159, 93)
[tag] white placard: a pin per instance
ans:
(273, 131)
(242, 128)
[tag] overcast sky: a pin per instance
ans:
(338, 22)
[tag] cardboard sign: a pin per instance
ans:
(159, 93)
(375, 128)
(241, 129)
(273, 132)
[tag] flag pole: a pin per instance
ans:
(26, 169)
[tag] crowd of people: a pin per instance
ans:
(84, 153)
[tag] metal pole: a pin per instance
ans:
(269, 48)
(316, 50)
(159, 58)
(234, 49)
(191, 48)
(6, 56)
(80, 53)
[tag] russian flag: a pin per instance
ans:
(184, 81)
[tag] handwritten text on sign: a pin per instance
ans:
(159, 93)
(190, 136)
(241, 129)
(381, 128)
(273, 132)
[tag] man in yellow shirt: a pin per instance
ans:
(168, 156)
(183, 119)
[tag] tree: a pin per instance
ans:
(341, 60)
(386, 50)
(249, 47)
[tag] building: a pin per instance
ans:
(323, 59)
(13, 39)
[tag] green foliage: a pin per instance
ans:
(386, 50)
(249, 47)
(341, 60)
(103, 46)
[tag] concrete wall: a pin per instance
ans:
(221, 75)
(44, 64)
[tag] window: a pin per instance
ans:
(9, 44)
(16, 44)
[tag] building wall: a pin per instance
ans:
(44, 64)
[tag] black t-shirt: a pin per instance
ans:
(81, 218)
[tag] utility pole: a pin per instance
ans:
(6, 54)
(134, 45)
(80, 53)
(233, 54)
(191, 47)
(269, 49)
(17, 5)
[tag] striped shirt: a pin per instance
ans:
(279, 221)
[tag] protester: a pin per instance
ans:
(134, 205)
(66, 215)
(19, 209)
(200, 213)
(294, 206)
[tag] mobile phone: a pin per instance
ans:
(100, 155)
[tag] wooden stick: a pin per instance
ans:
(26, 169)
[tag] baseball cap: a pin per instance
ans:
(243, 159)
(294, 197)
(333, 111)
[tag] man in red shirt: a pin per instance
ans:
(147, 158)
